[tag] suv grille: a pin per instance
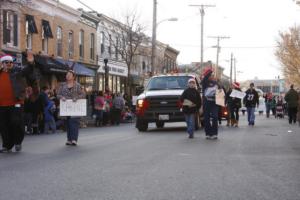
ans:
(163, 103)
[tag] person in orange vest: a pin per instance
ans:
(12, 95)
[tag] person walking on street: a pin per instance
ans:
(117, 108)
(234, 105)
(191, 102)
(99, 108)
(12, 96)
(49, 111)
(291, 97)
(210, 108)
(251, 100)
(268, 102)
(71, 90)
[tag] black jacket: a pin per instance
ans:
(251, 99)
(194, 96)
(231, 101)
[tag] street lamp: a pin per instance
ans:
(154, 27)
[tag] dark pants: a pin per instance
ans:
(292, 114)
(116, 113)
(72, 128)
(234, 113)
(210, 110)
(11, 126)
(99, 117)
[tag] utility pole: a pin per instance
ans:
(202, 12)
(234, 69)
(153, 37)
(231, 64)
(218, 51)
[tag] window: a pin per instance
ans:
(29, 41)
(116, 49)
(92, 47)
(59, 36)
(45, 45)
(46, 33)
(10, 28)
(71, 45)
(81, 44)
(109, 47)
(102, 40)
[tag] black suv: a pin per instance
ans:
(160, 101)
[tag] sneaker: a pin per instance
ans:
(5, 150)
(74, 143)
(68, 143)
(18, 147)
(208, 137)
(191, 136)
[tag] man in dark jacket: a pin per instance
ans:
(191, 101)
(291, 98)
(210, 108)
(251, 100)
(12, 95)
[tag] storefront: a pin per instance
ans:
(118, 73)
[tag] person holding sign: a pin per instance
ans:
(71, 90)
(234, 104)
(191, 102)
(210, 108)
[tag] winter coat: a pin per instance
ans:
(118, 103)
(291, 98)
(233, 102)
(192, 95)
(75, 92)
(209, 88)
(99, 103)
(251, 99)
(49, 111)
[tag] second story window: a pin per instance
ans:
(10, 28)
(102, 40)
(92, 47)
(59, 37)
(46, 33)
(110, 44)
(81, 44)
(71, 45)
(116, 49)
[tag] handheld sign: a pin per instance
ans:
(237, 94)
(73, 109)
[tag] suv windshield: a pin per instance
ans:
(168, 83)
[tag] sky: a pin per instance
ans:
(252, 25)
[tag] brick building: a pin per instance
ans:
(59, 36)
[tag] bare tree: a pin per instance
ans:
(129, 37)
(288, 53)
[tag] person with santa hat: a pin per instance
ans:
(12, 95)
(210, 108)
(234, 104)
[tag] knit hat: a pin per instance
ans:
(236, 85)
(207, 71)
(6, 58)
(191, 80)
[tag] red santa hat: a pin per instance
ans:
(6, 58)
(236, 85)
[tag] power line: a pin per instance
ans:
(82, 3)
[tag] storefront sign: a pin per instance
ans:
(71, 108)
(114, 69)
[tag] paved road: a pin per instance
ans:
(118, 163)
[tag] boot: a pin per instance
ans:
(228, 122)
(236, 123)
(232, 122)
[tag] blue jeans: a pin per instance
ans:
(210, 110)
(72, 128)
(50, 124)
(190, 122)
(268, 108)
(251, 115)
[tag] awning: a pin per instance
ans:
(31, 24)
(79, 69)
(51, 65)
(47, 29)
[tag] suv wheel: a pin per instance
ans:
(160, 124)
(141, 126)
